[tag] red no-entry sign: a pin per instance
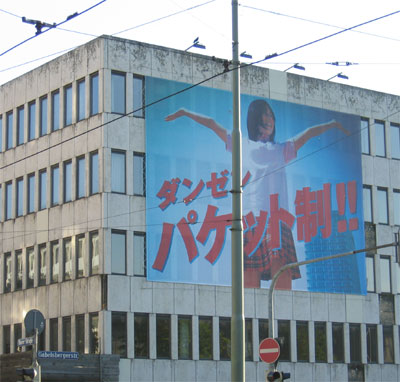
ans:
(269, 350)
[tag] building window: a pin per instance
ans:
(370, 268)
(320, 342)
(6, 339)
(302, 341)
(184, 337)
(81, 101)
(42, 190)
(43, 116)
(119, 334)
(141, 335)
(139, 253)
(263, 329)
(380, 139)
(396, 207)
(248, 336)
(55, 110)
(1, 203)
(17, 335)
(94, 347)
(19, 198)
(94, 173)
(205, 338)
(68, 105)
(388, 344)
(367, 203)
(284, 333)
(224, 338)
(55, 262)
(31, 121)
(118, 252)
(20, 125)
(66, 333)
(138, 96)
(30, 267)
(94, 93)
(365, 145)
(355, 342)
(118, 172)
(9, 130)
(386, 309)
(67, 259)
(80, 255)
(163, 336)
(80, 333)
(338, 341)
(31, 194)
(54, 334)
(80, 178)
(385, 274)
(395, 139)
(42, 264)
(372, 344)
(94, 257)
(7, 272)
(18, 270)
(8, 206)
(1, 133)
(67, 181)
(118, 93)
(55, 185)
(382, 205)
(139, 172)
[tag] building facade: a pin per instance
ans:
(73, 227)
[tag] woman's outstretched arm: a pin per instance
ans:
(202, 120)
(314, 131)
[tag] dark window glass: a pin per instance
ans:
(7, 272)
(138, 174)
(370, 268)
(320, 341)
(386, 309)
(163, 336)
(42, 340)
(94, 94)
(55, 262)
(248, 331)
(380, 139)
(68, 105)
(43, 116)
(30, 267)
(67, 259)
(42, 190)
(262, 329)
(31, 121)
(118, 93)
(118, 172)
(80, 178)
(55, 110)
(383, 215)
(372, 344)
(118, 252)
(80, 255)
(355, 342)
(20, 125)
(138, 96)
(54, 334)
(184, 337)
(80, 333)
(395, 139)
(19, 210)
(6, 339)
(17, 334)
(94, 173)
(81, 102)
(94, 257)
(302, 341)
(141, 335)
(55, 185)
(388, 345)
(119, 334)
(94, 333)
(338, 342)
(284, 333)
(31, 194)
(42, 264)
(224, 338)
(18, 270)
(67, 181)
(66, 322)
(9, 131)
(8, 206)
(365, 146)
(205, 338)
(139, 253)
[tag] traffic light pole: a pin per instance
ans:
(271, 314)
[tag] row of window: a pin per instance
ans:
(380, 141)
(69, 342)
(48, 113)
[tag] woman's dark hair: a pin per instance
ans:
(254, 118)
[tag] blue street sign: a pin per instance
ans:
(58, 354)
(26, 341)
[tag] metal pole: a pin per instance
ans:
(271, 313)
(237, 323)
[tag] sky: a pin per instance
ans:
(265, 27)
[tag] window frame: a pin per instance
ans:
(30, 282)
(139, 106)
(380, 146)
(9, 130)
(67, 181)
(142, 156)
(54, 266)
(380, 191)
(30, 193)
(142, 335)
(31, 120)
(91, 252)
(137, 234)
(121, 234)
(94, 87)
(42, 280)
(8, 202)
(55, 185)
(81, 97)
(55, 110)
(43, 111)
(395, 148)
(68, 105)
(67, 243)
(365, 136)
(20, 125)
(80, 177)
(80, 273)
(185, 345)
(94, 173)
(114, 172)
(114, 108)
(42, 189)
(19, 197)
(369, 258)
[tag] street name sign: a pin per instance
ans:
(58, 354)
(28, 341)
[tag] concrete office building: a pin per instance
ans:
(73, 227)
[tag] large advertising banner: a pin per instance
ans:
(301, 183)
